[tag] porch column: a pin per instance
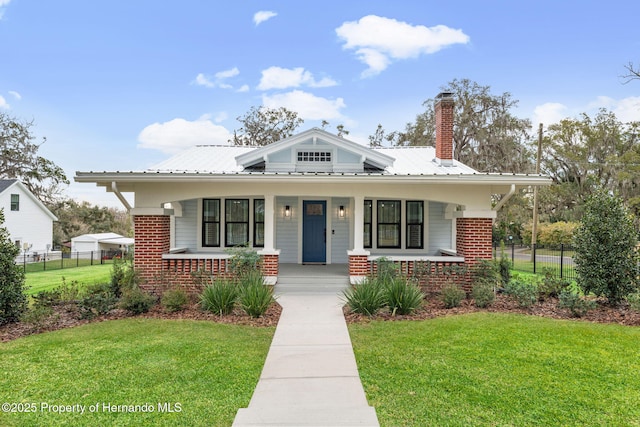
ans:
(152, 230)
(473, 236)
(269, 254)
(358, 257)
(269, 217)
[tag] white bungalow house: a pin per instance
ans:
(312, 198)
(27, 219)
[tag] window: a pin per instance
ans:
(389, 223)
(415, 224)
(258, 223)
(15, 202)
(314, 156)
(211, 222)
(368, 219)
(237, 222)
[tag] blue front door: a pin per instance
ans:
(314, 231)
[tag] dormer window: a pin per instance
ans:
(314, 156)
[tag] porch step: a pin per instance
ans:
(312, 284)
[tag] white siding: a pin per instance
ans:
(340, 231)
(186, 231)
(287, 229)
(439, 228)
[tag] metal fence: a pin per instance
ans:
(539, 259)
(33, 262)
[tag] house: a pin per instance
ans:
(109, 244)
(29, 222)
(313, 198)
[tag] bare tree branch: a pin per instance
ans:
(633, 73)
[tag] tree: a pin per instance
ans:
(75, 219)
(605, 245)
(633, 73)
(586, 153)
(487, 136)
(13, 299)
(20, 160)
(263, 126)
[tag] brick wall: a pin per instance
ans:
(431, 276)
(152, 235)
(269, 265)
(473, 239)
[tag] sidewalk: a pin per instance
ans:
(310, 377)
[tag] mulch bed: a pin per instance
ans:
(64, 317)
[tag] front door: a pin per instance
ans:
(314, 231)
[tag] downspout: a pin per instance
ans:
(114, 188)
(506, 198)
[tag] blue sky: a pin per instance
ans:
(120, 85)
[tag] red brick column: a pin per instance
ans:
(270, 267)
(358, 268)
(152, 239)
(473, 239)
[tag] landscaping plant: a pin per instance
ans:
(483, 294)
(255, 297)
(402, 296)
(220, 296)
(174, 300)
(452, 295)
(576, 303)
(605, 243)
(13, 297)
(524, 291)
(136, 301)
(366, 297)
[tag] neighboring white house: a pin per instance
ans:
(29, 222)
(108, 242)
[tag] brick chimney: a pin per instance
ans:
(444, 128)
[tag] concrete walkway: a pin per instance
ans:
(310, 377)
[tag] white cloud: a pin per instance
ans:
(549, 113)
(378, 40)
(307, 105)
(4, 2)
(217, 80)
(282, 78)
(243, 88)
(263, 15)
(626, 110)
(3, 103)
(177, 134)
(15, 94)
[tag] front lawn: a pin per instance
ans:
(47, 280)
(488, 369)
(202, 371)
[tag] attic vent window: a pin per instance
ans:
(314, 156)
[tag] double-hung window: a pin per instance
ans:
(368, 224)
(237, 222)
(211, 222)
(258, 223)
(389, 218)
(15, 202)
(415, 224)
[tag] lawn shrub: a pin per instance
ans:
(634, 301)
(174, 300)
(551, 286)
(220, 296)
(483, 294)
(244, 260)
(13, 297)
(97, 299)
(402, 296)
(452, 295)
(365, 298)
(524, 291)
(124, 276)
(37, 315)
(386, 270)
(47, 298)
(255, 297)
(136, 301)
(577, 304)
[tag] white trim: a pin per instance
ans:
(31, 196)
(475, 214)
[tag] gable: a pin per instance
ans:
(314, 151)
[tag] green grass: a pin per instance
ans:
(209, 369)
(46, 280)
(61, 264)
(500, 370)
